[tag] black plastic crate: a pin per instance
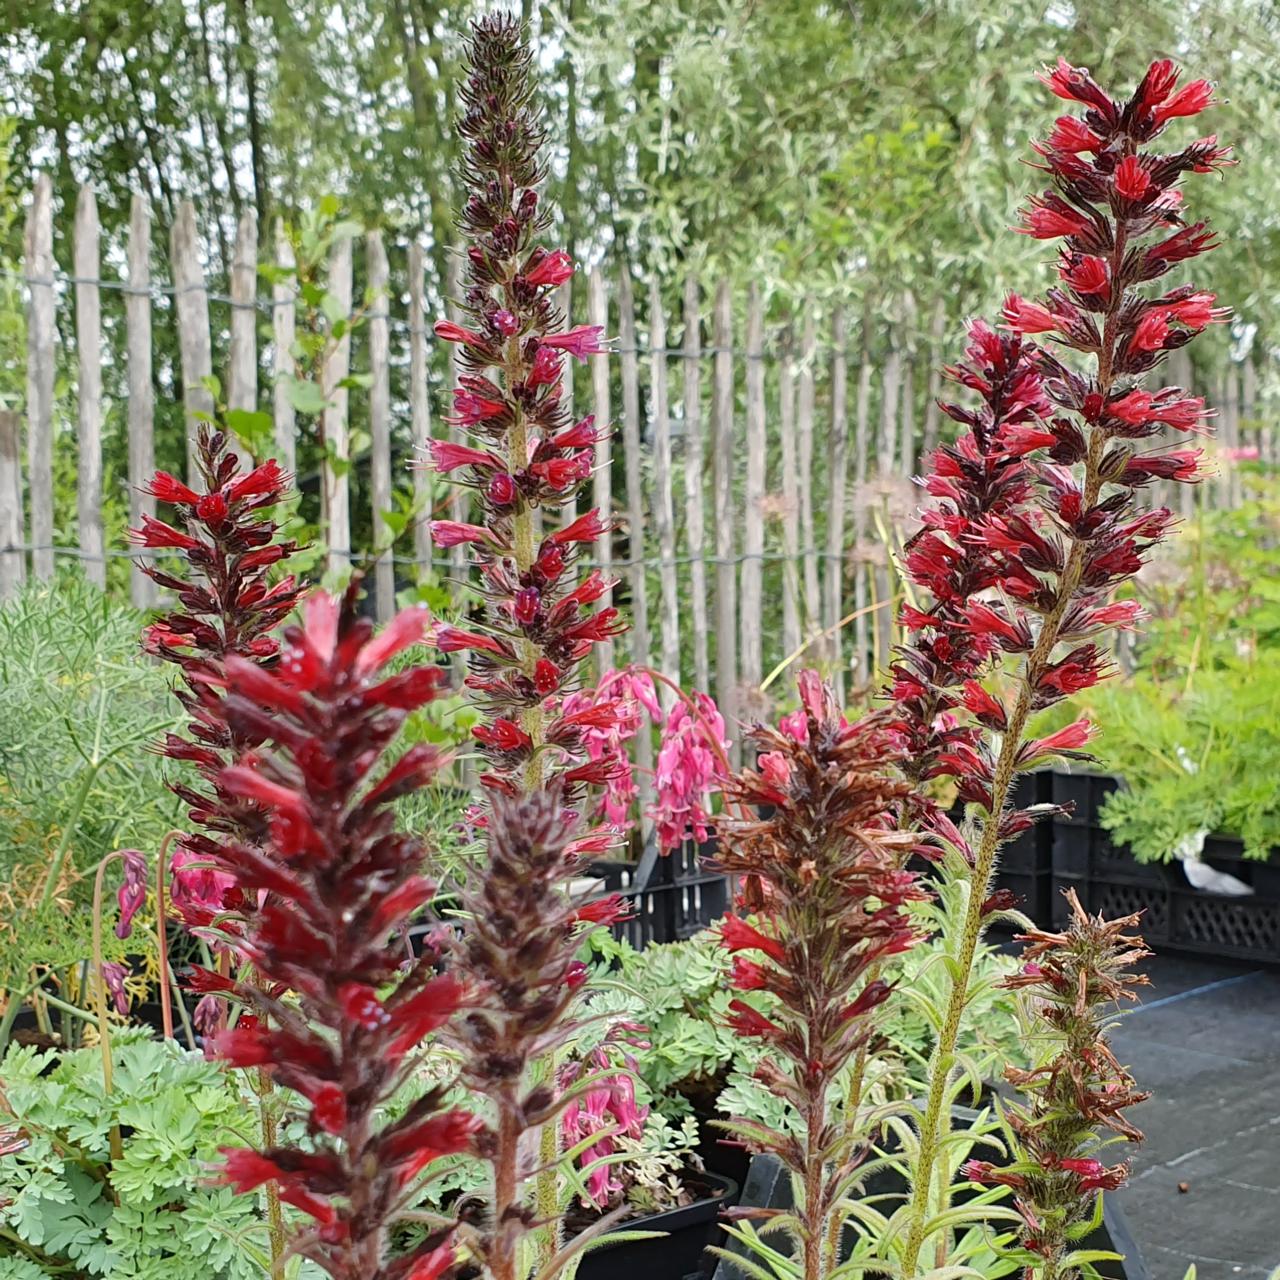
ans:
(672, 896)
(1176, 916)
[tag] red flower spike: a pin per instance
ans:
(227, 608)
(1021, 555)
(824, 875)
(539, 624)
(323, 931)
(1076, 977)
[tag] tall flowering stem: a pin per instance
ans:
(1037, 521)
(337, 883)
(226, 605)
(527, 980)
(824, 875)
(527, 456)
(1075, 1102)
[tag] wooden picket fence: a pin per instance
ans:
(716, 598)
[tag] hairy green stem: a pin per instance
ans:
(943, 1057)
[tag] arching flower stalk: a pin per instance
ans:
(338, 884)
(824, 874)
(1075, 1101)
(1037, 522)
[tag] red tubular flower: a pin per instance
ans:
(824, 870)
(550, 269)
(1113, 205)
(330, 932)
(1028, 317)
(1131, 179)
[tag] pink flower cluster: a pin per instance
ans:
(626, 697)
(611, 1111)
(691, 765)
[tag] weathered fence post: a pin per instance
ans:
(282, 336)
(191, 304)
(141, 409)
(335, 482)
(862, 492)
(837, 474)
(640, 652)
(695, 511)
(87, 265)
(419, 410)
(663, 483)
(380, 424)
(242, 378)
(726, 566)
(752, 612)
(41, 359)
(13, 566)
(804, 449)
(790, 498)
(602, 477)
(634, 475)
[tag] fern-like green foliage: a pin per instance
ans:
(689, 1058)
(78, 705)
(1196, 756)
(68, 1210)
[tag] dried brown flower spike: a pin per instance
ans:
(1076, 1100)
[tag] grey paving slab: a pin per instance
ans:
(1206, 1184)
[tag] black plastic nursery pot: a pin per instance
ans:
(1176, 916)
(768, 1186)
(678, 1253)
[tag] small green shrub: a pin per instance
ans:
(78, 705)
(68, 1210)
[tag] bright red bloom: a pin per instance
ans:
(1087, 274)
(447, 331)
(1131, 178)
(586, 528)
(747, 1021)
(552, 269)
(452, 533)
(155, 533)
(1071, 134)
(738, 935)
(169, 488)
(447, 456)
(1188, 101)
(1048, 217)
(1069, 738)
(1022, 316)
(580, 343)
(1152, 331)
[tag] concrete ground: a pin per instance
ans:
(1206, 1184)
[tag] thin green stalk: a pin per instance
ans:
(58, 861)
(100, 997)
(12, 1008)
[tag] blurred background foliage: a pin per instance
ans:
(816, 144)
